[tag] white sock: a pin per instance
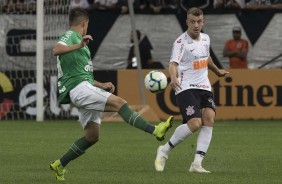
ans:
(203, 143)
(180, 133)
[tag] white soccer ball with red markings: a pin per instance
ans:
(155, 81)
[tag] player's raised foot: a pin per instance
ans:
(60, 171)
(160, 159)
(197, 168)
(162, 128)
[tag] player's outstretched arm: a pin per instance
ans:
(215, 69)
(60, 49)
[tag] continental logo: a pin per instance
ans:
(227, 94)
(6, 88)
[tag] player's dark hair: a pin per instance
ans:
(195, 11)
(77, 15)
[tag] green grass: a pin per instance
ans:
(241, 152)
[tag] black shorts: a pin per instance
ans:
(191, 102)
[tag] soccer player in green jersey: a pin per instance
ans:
(77, 86)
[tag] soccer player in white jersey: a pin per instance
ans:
(188, 69)
(77, 86)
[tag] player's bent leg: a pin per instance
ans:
(133, 118)
(162, 128)
(114, 103)
(160, 159)
(92, 132)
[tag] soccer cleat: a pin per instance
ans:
(162, 128)
(59, 170)
(160, 160)
(197, 168)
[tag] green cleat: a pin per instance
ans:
(59, 170)
(162, 128)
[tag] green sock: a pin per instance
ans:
(77, 149)
(134, 119)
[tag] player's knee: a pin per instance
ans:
(120, 102)
(194, 124)
(208, 120)
(92, 138)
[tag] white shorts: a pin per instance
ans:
(90, 102)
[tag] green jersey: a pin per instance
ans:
(73, 67)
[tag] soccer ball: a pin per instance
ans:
(155, 81)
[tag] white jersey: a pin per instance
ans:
(192, 58)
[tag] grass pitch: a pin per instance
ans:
(241, 152)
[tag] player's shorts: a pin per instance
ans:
(191, 101)
(90, 102)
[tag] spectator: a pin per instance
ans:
(202, 4)
(233, 4)
(19, 6)
(85, 4)
(137, 4)
(258, 4)
(145, 48)
(106, 4)
(236, 49)
(277, 4)
(57, 6)
(163, 6)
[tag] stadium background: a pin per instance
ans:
(246, 94)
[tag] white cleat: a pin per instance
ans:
(197, 168)
(160, 160)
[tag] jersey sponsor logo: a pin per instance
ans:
(178, 41)
(190, 110)
(63, 89)
(88, 68)
(200, 64)
(199, 86)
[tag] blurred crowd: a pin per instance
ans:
(140, 6)
(248, 4)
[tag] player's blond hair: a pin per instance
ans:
(195, 11)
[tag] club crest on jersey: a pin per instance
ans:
(190, 110)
